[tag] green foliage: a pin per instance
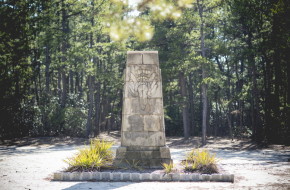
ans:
(200, 160)
(97, 156)
(168, 167)
(122, 23)
(50, 49)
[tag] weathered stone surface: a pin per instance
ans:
(148, 106)
(133, 123)
(134, 58)
(185, 177)
(75, 176)
(206, 177)
(166, 160)
(87, 176)
(142, 114)
(116, 176)
(150, 154)
(145, 177)
(195, 177)
(126, 177)
(121, 150)
(155, 177)
(135, 177)
(166, 177)
(143, 138)
(131, 155)
(143, 148)
(106, 176)
(164, 152)
(175, 176)
(151, 58)
(57, 176)
(66, 177)
(153, 123)
(232, 178)
(155, 163)
(142, 57)
(97, 176)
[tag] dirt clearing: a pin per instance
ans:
(28, 163)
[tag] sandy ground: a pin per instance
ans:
(28, 163)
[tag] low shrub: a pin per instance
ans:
(97, 156)
(200, 160)
(168, 167)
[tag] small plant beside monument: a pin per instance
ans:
(200, 160)
(196, 161)
(97, 156)
(168, 168)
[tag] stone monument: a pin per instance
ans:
(143, 129)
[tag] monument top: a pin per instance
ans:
(137, 52)
(142, 58)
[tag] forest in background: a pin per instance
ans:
(225, 68)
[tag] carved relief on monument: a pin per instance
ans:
(143, 83)
(150, 106)
(143, 80)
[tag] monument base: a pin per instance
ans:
(145, 157)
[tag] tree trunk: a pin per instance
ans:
(97, 108)
(288, 98)
(216, 115)
(254, 92)
(71, 81)
(47, 65)
(64, 51)
(268, 111)
(204, 113)
(191, 103)
(103, 106)
(59, 84)
(36, 90)
(230, 125)
(80, 84)
(229, 96)
(91, 104)
(77, 83)
(204, 86)
(64, 89)
(185, 115)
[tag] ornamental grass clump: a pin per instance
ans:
(168, 167)
(200, 160)
(97, 156)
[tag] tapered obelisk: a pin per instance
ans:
(143, 130)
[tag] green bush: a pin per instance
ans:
(74, 122)
(97, 156)
(201, 161)
(168, 167)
